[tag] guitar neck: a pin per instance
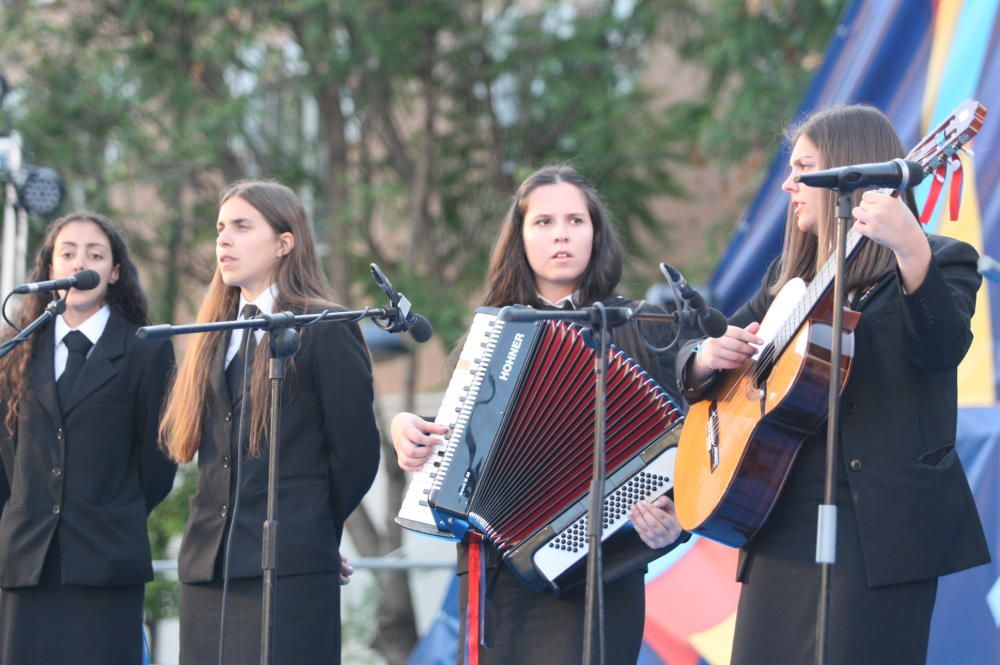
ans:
(933, 153)
(816, 291)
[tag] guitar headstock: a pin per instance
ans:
(944, 141)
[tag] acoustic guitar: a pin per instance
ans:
(738, 445)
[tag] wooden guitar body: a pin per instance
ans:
(737, 447)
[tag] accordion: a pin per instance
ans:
(517, 462)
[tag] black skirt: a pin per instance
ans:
(306, 621)
(779, 600)
(54, 623)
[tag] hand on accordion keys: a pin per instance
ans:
(656, 522)
(413, 439)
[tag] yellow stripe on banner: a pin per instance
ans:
(944, 29)
(975, 374)
(715, 645)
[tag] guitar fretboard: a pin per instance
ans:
(815, 292)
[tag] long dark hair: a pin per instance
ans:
(844, 135)
(125, 297)
(510, 279)
(302, 287)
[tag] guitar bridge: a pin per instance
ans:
(712, 436)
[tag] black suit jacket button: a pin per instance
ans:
(229, 416)
(56, 509)
(849, 407)
(59, 434)
(855, 465)
(223, 510)
(56, 471)
(225, 462)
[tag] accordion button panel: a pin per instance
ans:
(570, 544)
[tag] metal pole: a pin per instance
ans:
(593, 637)
(826, 526)
(10, 159)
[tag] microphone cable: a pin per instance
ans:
(241, 430)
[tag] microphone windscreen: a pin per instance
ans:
(712, 322)
(420, 328)
(86, 280)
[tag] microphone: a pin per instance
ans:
(711, 321)
(405, 319)
(419, 327)
(898, 174)
(84, 280)
(989, 268)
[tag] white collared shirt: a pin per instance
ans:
(571, 299)
(265, 303)
(92, 329)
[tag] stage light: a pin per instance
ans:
(41, 190)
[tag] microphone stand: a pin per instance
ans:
(826, 525)
(600, 320)
(284, 343)
(53, 309)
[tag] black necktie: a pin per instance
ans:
(78, 345)
(234, 373)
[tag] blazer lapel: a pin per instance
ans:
(43, 373)
(100, 366)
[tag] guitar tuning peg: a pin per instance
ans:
(967, 151)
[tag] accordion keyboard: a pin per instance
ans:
(415, 513)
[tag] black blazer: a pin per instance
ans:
(91, 471)
(916, 514)
(329, 454)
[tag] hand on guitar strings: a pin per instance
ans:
(889, 222)
(727, 352)
(656, 522)
(413, 439)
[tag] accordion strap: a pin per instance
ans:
(477, 596)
